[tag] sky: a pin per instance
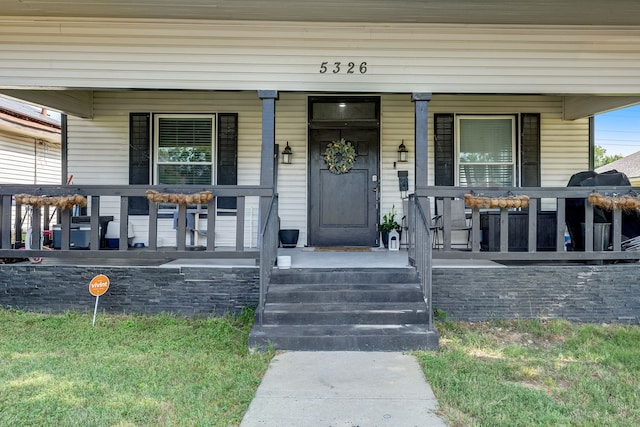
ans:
(618, 131)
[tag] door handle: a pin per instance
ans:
(375, 190)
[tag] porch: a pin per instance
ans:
(470, 283)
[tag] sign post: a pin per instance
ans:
(98, 286)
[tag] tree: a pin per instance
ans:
(600, 157)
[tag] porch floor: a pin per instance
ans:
(300, 258)
(376, 258)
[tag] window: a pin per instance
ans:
(486, 151)
(487, 144)
(184, 149)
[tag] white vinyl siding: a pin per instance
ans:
(291, 126)
(564, 146)
(397, 123)
(99, 150)
(27, 160)
(287, 56)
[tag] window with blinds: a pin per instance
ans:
(185, 149)
(486, 151)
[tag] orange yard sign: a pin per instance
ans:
(99, 285)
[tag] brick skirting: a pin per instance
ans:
(582, 293)
(188, 291)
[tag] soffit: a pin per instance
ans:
(541, 12)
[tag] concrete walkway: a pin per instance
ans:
(343, 389)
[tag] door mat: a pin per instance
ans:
(343, 248)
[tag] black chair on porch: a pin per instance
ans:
(457, 219)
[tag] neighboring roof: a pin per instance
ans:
(536, 12)
(22, 119)
(629, 165)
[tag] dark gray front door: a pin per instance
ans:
(343, 208)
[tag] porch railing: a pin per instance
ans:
(12, 227)
(268, 252)
(492, 231)
(420, 247)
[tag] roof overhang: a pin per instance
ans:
(80, 103)
(77, 103)
(539, 12)
(577, 107)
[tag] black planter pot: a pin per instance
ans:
(288, 238)
(385, 238)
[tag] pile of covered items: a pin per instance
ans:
(601, 217)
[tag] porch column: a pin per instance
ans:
(267, 177)
(422, 139)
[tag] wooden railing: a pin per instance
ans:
(12, 227)
(493, 231)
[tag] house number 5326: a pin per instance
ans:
(339, 67)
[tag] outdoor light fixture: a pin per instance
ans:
(403, 153)
(286, 155)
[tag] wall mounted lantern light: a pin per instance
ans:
(403, 153)
(286, 155)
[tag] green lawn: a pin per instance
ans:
(536, 373)
(171, 371)
(57, 370)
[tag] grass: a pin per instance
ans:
(126, 371)
(172, 371)
(536, 373)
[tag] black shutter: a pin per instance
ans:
(139, 159)
(227, 156)
(530, 124)
(444, 153)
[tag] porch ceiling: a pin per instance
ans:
(540, 12)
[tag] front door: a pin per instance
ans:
(343, 207)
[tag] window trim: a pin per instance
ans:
(156, 135)
(514, 141)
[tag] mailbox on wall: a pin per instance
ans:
(403, 178)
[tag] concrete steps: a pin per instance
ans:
(345, 314)
(344, 310)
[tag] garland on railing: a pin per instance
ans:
(507, 202)
(61, 202)
(181, 199)
(626, 203)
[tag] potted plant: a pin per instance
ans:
(388, 224)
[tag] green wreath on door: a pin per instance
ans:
(340, 156)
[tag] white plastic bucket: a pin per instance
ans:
(284, 262)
